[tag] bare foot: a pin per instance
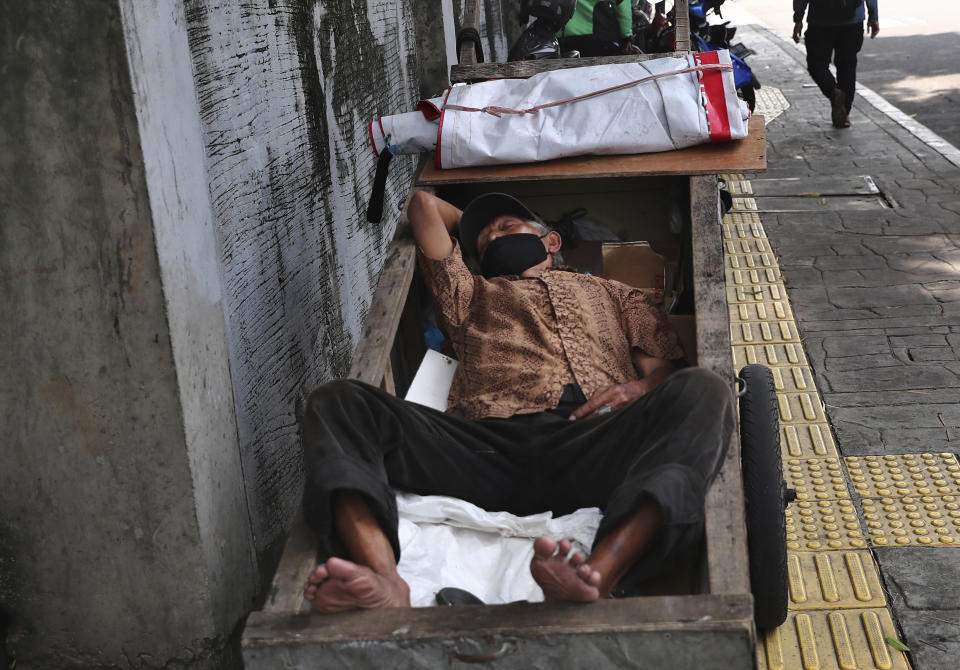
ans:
(339, 585)
(562, 578)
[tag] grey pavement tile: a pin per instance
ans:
(925, 340)
(861, 362)
(888, 277)
(932, 636)
(923, 587)
(889, 398)
(922, 578)
(929, 354)
(862, 261)
(878, 296)
(931, 264)
(945, 295)
(892, 245)
(787, 262)
(855, 345)
(801, 276)
(945, 415)
(825, 321)
(908, 377)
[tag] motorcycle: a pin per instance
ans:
(659, 34)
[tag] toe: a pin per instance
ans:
(319, 574)
(564, 548)
(544, 547)
(578, 559)
(341, 569)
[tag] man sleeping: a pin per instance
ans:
(570, 392)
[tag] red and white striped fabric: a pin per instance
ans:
(656, 105)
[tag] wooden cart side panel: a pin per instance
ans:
(747, 155)
(371, 364)
(693, 612)
(681, 633)
(725, 526)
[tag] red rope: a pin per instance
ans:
(498, 112)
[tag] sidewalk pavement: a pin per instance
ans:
(876, 295)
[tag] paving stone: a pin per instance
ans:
(855, 345)
(864, 362)
(863, 398)
(930, 354)
(919, 341)
(933, 636)
(922, 578)
(850, 262)
(885, 295)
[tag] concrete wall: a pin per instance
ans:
(285, 90)
(183, 256)
(124, 537)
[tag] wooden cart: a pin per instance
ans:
(711, 627)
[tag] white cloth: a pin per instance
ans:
(671, 112)
(449, 542)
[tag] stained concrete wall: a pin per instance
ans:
(183, 256)
(124, 535)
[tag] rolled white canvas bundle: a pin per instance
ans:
(655, 105)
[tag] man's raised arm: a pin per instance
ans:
(433, 220)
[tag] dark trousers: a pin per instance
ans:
(842, 44)
(667, 446)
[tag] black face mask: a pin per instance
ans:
(512, 254)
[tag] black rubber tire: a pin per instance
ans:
(764, 495)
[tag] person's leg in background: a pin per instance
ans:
(848, 44)
(821, 43)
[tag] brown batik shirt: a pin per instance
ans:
(520, 341)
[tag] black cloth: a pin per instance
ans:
(840, 43)
(667, 445)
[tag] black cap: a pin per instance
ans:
(484, 209)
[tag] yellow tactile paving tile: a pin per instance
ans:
(747, 245)
(930, 521)
(833, 580)
(737, 225)
(783, 354)
(749, 261)
(807, 441)
(744, 204)
(752, 277)
(838, 640)
(750, 310)
(761, 332)
(739, 186)
(816, 478)
(793, 379)
(823, 525)
(897, 476)
(801, 408)
(769, 293)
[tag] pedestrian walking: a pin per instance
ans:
(835, 30)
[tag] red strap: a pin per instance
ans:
(714, 98)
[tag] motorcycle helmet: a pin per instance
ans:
(539, 40)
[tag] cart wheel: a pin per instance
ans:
(765, 494)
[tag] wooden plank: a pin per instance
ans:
(725, 526)
(747, 155)
(471, 19)
(681, 23)
(527, 68)
(660, 613)
(298, 560)
(373, 350)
